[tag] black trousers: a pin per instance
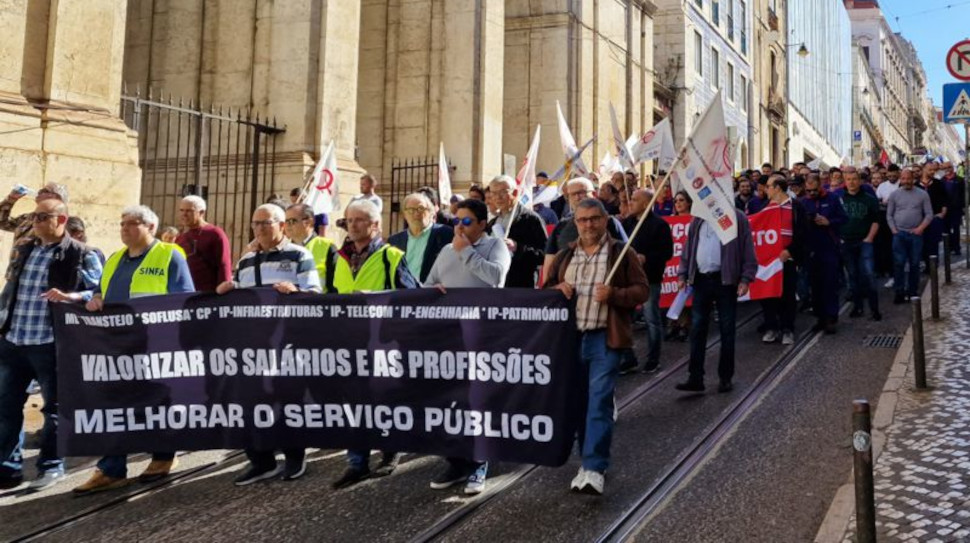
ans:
(780, 312)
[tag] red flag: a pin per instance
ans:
(884, 158)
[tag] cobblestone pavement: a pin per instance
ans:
(922, 476)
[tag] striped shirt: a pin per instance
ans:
(585, 271)
(31, 320)
(285, 262)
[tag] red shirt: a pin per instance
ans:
(207, 252)
(786, 221)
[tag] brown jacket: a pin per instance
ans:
(629, 290)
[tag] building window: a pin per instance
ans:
(730, 20)
(744, 94)
(730, 82)
(742, 24)
(715, 68)
(865, 52)
(700, 3)
(716, 12)
(699, 53)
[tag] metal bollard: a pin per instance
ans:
(934, 287)
(919, 347)
(865, 493)
(947, 276)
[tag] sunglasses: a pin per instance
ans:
(466, 221)
(42, 217)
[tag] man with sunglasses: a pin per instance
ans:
(300, 228)
(472, 260)
(50, 267)
(825, 219)
(20, 226)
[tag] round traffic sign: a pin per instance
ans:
(958, 60)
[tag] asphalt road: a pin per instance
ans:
(771, 480)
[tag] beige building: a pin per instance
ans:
(389, 80)
(770, 93)
(60, 83)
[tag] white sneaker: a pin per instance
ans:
(890, 283)
(578, 481)
(788, 338)
(770, 336)
(594, 483)
(475, 483)
(46, 479)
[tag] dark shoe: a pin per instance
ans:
(256, 473)
(11, 480)
(876, 316)
(450, 477)
(628, 367)
(725, 386)
(671, 334)
(762, 328)
(350, 478)
(683, 335)
(819, 325)
(856, 312)
(690, 386)
(294, 467)
(388, 465)
(651, 367)
(830, 328)
(899, 299)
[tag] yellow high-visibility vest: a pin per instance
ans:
(377, 273)
(151, 276)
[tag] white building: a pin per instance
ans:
(887, 59)
(702, 46)
(820, 88)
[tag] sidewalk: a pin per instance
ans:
(921, 439)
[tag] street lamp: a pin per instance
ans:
(802, 50)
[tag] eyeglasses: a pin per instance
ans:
(415, 210)
(293, 222)
(578, 193)
(465, 221)
(257, 224)
(42, 217)
(590, 220)
(124, 224)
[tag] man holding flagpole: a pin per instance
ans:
(522, 230)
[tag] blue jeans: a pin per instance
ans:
(116, 465)
(655, 325)
(907, 248)
(602, 366)
(18, 365)
(859, 259)
(708, 290)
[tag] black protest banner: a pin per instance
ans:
(473, 373)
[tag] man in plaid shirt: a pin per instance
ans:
(52, 267)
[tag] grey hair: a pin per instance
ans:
(586, 183)
(275, 212)
(58, 189)
(422, 197)
(365, 206)
(505, 180)
(592, 203)
(305, 210)
(143, 214)
(197, 202)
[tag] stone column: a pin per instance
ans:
(86, 146)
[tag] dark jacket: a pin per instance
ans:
(738, 261)
(956, 188)
(64, 273)
(799, 230)
(439, 237)
(629, 289)
(654, 241)
(529, 234)
(824, 238)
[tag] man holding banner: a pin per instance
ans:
(605, 323)
(780, 312)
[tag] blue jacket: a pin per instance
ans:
(440, 236)
(824, 238)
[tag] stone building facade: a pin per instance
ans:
(770, 126)
(60, 82)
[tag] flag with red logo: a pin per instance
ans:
(324, 193)
(766, 228)
(656, 144)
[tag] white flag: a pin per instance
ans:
(444, 179)
(622, 149)
(324, 195)
(704, 170)
(815, 164)
(656, 144)
(526, 179)
(569, 148)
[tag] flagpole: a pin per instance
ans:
(636, 229)
(307, 181)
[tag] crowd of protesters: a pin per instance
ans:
(844, 231)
